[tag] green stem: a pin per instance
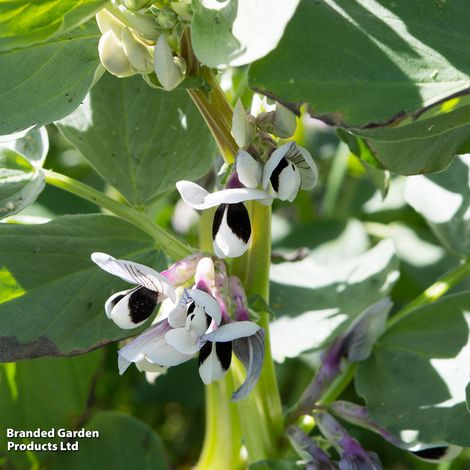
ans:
(261, 413)
(165, 240)
(335, 179)
(222, 437)
(217, 113)
(430, 295)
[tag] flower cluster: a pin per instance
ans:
(138, 37)
(262, 172)
(198, 324)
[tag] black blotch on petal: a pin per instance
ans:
(116, 299)
(276, 173)
(224, 353)
(204, 353)
(191, 308)
(238, 220)
(217, 221)
(142, 303)
(433, 453)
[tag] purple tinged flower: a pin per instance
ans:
(353, 456)
(239, 298)
(315, 458)
(183, 270)
(355, 344)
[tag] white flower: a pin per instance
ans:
(231, 228)
(132, 307)
(289, 168)
(249, 170)
(170, 70)
(243, 126)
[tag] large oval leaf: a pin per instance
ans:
(139, 139)
(51, 294)
(43, 83)
(369, 62)
(25, 23)
(416, 377)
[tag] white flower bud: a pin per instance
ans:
(106, 21)
(170, 70)
(281, 122)
(140, 56)
(248, 170)
(242, 127)
(113, 57)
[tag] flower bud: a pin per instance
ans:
(166, 19)
(205, 274)
(183, 270)
(183, 9)
(170, 70)
(106, 21)
(113, 57)
(135, 5)
(243, 128)
(281, 122)
(140, 56)
(248, 169)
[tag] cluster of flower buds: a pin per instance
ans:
(198, 323)
(262, 172)
(138, 37)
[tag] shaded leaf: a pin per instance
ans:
(45, 393)
(415, 379)
(54, 304)
(142, 448)
(139, 139)
(43, 83)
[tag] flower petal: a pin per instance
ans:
(135, 273)
(192, 194)
(250, 352)
(183, 340)
(232, 331)
(132, 309)
(272, 164)
(242, 127)
(113, 57)
(205, 300)
(231, 230)
(214, 361)
(169, 74)
(248, 170)
(286, 180)
(146, 366)
(302, 159)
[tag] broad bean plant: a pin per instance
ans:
(265, 202)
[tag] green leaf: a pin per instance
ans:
(26, 23)
(54, 304)
(443, 200)
(415, 379)
(238, 32)
(140, 140)
(45, 393)
(277, 464)
(124, 442)
(21, 177)
(42, 83)
(313, 301)
(369, 62)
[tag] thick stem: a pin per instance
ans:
(261, 413)
(165, 240)
(222, 438)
